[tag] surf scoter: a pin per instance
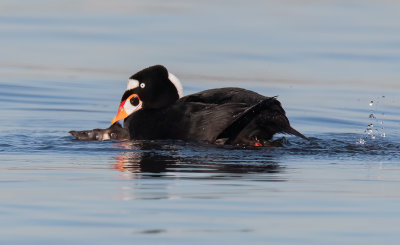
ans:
(153, 107)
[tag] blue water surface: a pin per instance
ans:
(332, 64)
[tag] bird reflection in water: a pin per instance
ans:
(176, 159)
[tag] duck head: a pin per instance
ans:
(151, 88)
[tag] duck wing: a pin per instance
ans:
(268, 115)
(225, 95)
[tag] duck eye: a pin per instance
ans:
(142, 85)
(134, 101)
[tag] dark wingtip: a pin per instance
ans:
(295, 132)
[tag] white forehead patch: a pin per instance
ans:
(132, 83)
(176, 83)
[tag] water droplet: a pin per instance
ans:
(383, 135)
(373, 137)
(361, 141)
(371, 103)
(372, 116)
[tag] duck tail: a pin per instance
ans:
(293, 131)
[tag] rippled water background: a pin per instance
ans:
(64, 65)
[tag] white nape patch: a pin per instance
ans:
(132, 83)
(176, 83)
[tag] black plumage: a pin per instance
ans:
(222, 116)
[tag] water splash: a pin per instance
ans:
(375, 128)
